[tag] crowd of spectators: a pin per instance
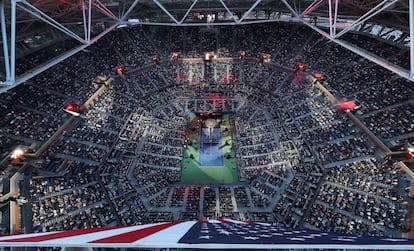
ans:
(305, 162)
(75, 200)
(366, 189)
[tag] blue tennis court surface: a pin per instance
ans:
(211, 153)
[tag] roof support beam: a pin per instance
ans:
(208, 24)
(85, 30)
(315, 4)
(45, 18)
(379, 61)
(13, 42)
(249, 11)
(165, 10)
(411, 14)
(9, 61)
(131, 8)
(331, 32)
(228, 11)
(5, 41)
(335, 16)
(102, 8)
(188, 11)
(28, 75)
(374, 11)
(89, 20)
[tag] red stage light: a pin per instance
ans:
(243, 54)
(73, 109)
(70, 107)
(175, 56)
(347, 106)
(208, 55)
(410, 155)
(300, 67)
(264, 57)
(319, 77)
(155, 59)
(120, 70)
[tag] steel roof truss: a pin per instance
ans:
(9, 62)
(84, 18)
(374, 11)
(313, 6)
(331, 18)
(228, 11)
(47, 19)
(188, 11)
(131, 8)
(411, 16)
(104, 10)
(208, 24)
(28, 75)
(165, 11)
(89, 20)
(249, 11)
(335, 16)
(5, 42)
(13, 42)
(373, 58)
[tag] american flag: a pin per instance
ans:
(204, 234)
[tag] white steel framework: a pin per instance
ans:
(411, 16)
(334, 37)
(299, 12)
(9, 38)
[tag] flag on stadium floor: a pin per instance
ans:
(204, 234)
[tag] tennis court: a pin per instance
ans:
(211, 149)
(211, 159)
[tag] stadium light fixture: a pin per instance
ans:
(17, 154)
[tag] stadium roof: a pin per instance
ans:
(88, 20)
(70, 11)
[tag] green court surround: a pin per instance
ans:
(193, 174)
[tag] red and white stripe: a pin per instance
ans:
(142, 235)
